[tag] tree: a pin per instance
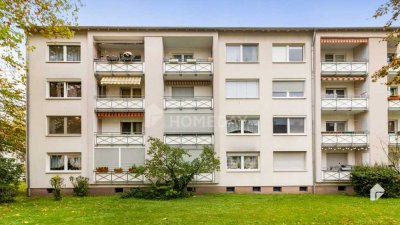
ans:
(18, 20)
(392, 9)
(168, 171)
(10, 173)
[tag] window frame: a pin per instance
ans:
(65, 53)
(288, 133)
(287, 46)
(242, 119)
(242, 155)
(257, 81)
(335, 125)
(241, 52)
(65, 86)
(334, 57)
(288, 93)
(65, 134)
(65, 159)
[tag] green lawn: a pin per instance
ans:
(205, 209)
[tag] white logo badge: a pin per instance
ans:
(376, 192)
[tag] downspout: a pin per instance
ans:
(28, 186)
(313, 92)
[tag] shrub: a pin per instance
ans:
(81, 185)
(57, 183)
(10, 173)
(363, 178)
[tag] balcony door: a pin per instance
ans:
(182, 57)
(131, 127)
(129, 92)
(183, 92)
(335, 57)
(336, 126)
(336, 160)
(392, 126)
(335, 93)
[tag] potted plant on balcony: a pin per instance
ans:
(118, 170)
(133, 169)
(102, 169)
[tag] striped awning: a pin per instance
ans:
(187, 82)
(121, 80)
(344, 40)
(336, 78)
(120, 114)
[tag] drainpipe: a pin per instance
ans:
(28, 186)
(313, 92)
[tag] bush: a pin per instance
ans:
(10, 173)
(81, 185)
(57, 183)
(165, 192)
(363, 178)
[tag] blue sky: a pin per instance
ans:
(231, 13)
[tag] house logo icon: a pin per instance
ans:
(376, 192)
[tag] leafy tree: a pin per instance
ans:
(10, 173)
(392, 9)
(169, 172)
(18, 20)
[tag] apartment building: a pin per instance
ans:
(287, 110)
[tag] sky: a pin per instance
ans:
(231, 13)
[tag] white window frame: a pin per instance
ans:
(65, 83)
(243, 80)
(290, 170)
(242, 119)
(65, 134)
(287, 52)
(65, 158)
(288, 93)
(396, 90)
(182, 56)
(288, 126)
(241, 52)
(64, 52)
(334, 57)
(335, 124)
(242, 155)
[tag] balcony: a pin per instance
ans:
(111, 177)
(118, 68)
(204, 178)
(339, 175)
(347, 104)
(115, 104)
(112, 139)
(344, 139)
(189, 139)
(192, 66)
(188, 103)
(394, 139)
(394, 102)
(344, 68)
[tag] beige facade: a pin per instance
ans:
(286, 110)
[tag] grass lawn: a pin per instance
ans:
(205, 209)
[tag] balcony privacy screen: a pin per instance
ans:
(108, 157)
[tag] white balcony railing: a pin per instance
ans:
(359, 103)
(189, 68)
(119, 67)
(394, 139)
(118, 139)
(188, 103)
(189, 139)
(345, 139)
(119, 104)
(344, 68)
(111, 177)
(328, 175)
(204, 177)
(394, 104)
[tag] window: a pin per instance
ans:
(182, 57)
(118, 157)
(288, 89)
(64, 125)
(335, 58)
(393, 91)
(242, 89)
(128, 92)
(390, 57)
(243, 161)
(256, 189)
(288, 125)
(336, 126)
(392, 126)
(65, 89)
(183, 92)
(64, 53)
(65, 162)
(277, 189)
(242, 53)
(131, 127)
(288, 53)
(335, 93)
(289, 161)
(242, 125)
